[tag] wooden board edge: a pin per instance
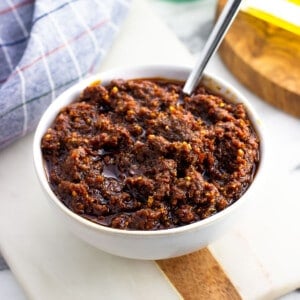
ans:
(198, 276)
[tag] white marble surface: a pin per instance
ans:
(190, 20)
(261, 255)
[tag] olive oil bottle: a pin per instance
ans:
(281, 13)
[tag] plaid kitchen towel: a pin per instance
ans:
(46, 46)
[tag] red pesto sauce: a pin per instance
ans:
(128, 155)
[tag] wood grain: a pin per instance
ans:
(198, 276)
(265, 58)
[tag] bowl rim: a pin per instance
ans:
(51, 112)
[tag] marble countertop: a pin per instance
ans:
(192, 22)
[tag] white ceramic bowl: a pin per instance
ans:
(147, 244)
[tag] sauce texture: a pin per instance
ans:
(129, 156)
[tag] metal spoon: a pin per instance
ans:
(223, 23)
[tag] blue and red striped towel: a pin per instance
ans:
(46, 46)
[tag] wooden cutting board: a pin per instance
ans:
(265, 58)
(198, 276)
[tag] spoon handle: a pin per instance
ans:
(222, 25)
